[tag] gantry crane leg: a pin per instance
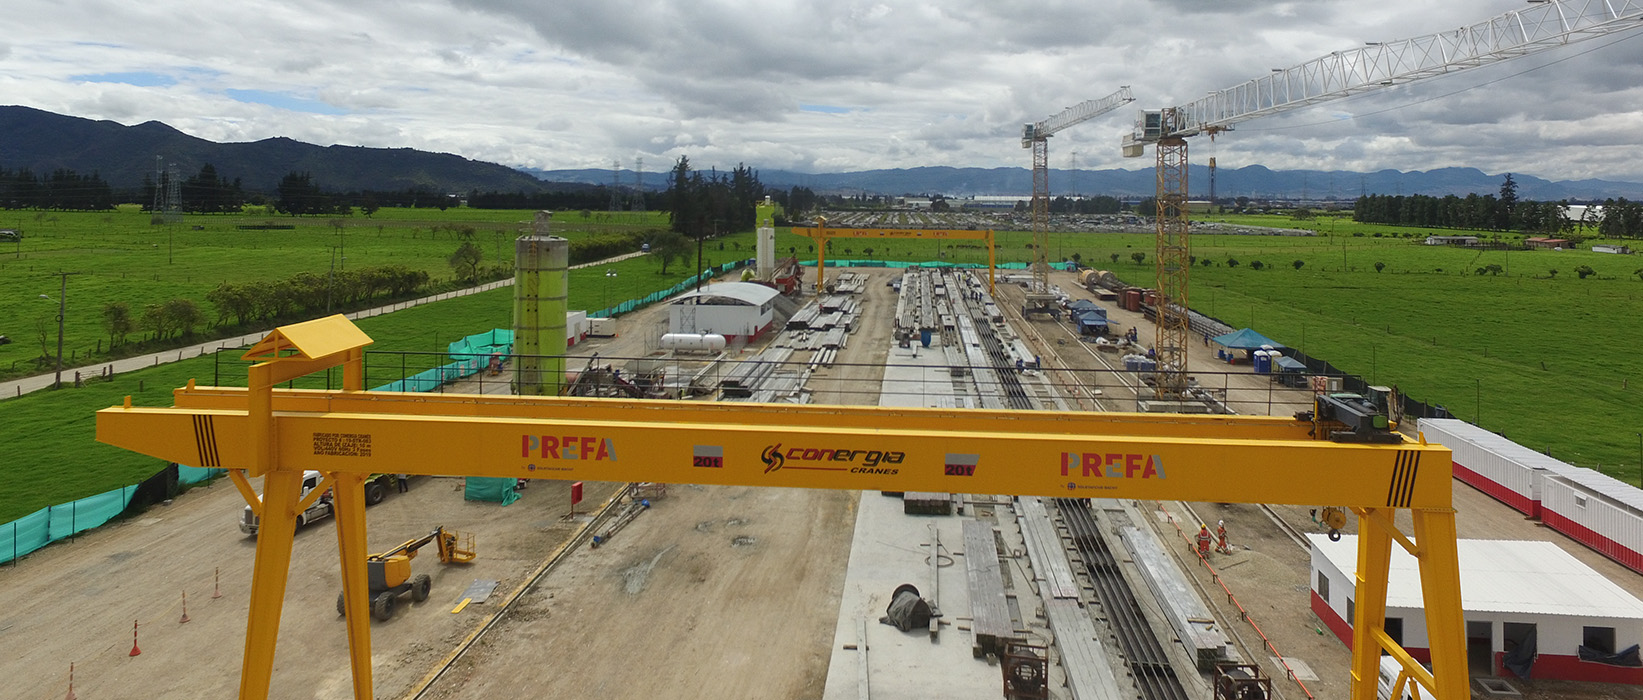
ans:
(1435, 550)
(1440, 589)
(356, 588)
(280, 492)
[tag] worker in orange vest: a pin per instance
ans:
(1203, 541)
(1221, 537)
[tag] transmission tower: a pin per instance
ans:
(159, 185)
(173, 195)
(616, 185)
(1072, 174)
(637, 202)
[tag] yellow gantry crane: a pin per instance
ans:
(1544, 24)
(820, 233)
(1037, 137)
(349, 434)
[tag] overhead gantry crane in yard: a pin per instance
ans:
(821, 234)
(1037, 137)
(1544, 24)
(349, 434)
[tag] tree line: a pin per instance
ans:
(1475, 212)
(63, 189)
(304, 295)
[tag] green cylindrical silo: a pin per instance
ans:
(541, 282)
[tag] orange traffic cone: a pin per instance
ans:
(216, 584)
(134, 650)
(185, 609)
(70, 681)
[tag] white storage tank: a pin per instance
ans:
(693, 342)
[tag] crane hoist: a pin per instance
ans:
(349, 434)
(1037, 137)
(1544, 24)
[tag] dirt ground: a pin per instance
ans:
(716, 592)
(75, 602)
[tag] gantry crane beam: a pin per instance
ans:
(820, 233)
(1037, 137)
(1544, 24)
(350, 433)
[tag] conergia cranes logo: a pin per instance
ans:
(859, 461)
(772, 458)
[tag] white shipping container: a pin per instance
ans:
(602, 327)
(1611, 527)
(1513, 473)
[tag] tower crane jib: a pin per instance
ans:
(1036, 136)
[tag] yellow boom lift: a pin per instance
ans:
(389, 574)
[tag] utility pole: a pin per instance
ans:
(62, 308)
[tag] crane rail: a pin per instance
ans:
(1154, 675)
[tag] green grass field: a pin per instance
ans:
(120, 256)
(51, 452)
(1547, 361)
(1426, 323)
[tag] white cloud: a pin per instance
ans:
(807, 84)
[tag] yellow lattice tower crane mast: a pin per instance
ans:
(1544, 24)
(1037, 137)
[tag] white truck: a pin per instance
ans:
(376, 489)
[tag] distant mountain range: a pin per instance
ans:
(1253, 181)
(124, 155)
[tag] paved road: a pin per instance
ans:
(18, 387)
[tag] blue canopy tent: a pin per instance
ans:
(1085, 305)
(1289, 372)
(1091, 322)
(1245, 339)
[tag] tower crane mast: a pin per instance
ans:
(1544, 24)
(1037, 137)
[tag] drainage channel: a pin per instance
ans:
(1149, 664)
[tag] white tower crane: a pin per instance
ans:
(1545, 24)
(1037, 137)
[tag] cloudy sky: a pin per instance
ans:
(810, 85)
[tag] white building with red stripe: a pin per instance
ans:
(1590, 507)
(1531, 598)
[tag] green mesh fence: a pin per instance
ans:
(24, 535)
(468, 356)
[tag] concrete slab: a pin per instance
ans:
(886, 553)
(1301, 669)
